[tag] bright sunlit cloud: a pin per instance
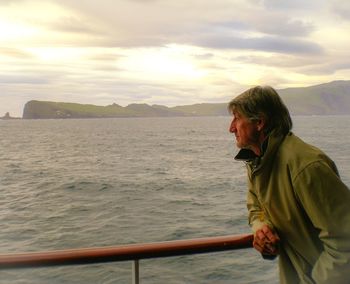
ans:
(168, 64)
(10, 31)
(26, 22)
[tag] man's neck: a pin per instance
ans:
(260, 147)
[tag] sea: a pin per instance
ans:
(82, 183)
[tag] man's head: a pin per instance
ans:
(257, 112)
(263, 102)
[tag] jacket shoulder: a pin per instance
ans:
(297, 154)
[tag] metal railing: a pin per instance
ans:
(133, 252)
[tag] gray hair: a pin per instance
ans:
(263, 101)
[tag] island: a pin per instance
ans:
(325, 99)
(46, 109)
(7, 116)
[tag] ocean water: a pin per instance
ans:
(104, 182)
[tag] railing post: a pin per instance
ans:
(135, 272)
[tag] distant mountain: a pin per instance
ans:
(203, 109)
(325, 99)
(154, 110)
(45, 109)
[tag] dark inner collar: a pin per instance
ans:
(248, 155)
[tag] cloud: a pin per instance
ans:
(269, 25)
(284, 61)
(284, 27)
(264, 43)
(157, 23)
(8, 2)
(71, 24)
(22, 79)
(105, 57)
(325, 65)
(341, 8)
(328, 67)
(204, 56)
(288, 5)
(15, 53)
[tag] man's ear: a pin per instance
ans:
(261, 123)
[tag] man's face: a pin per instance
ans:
(245, 131)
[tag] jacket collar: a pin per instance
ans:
(269, 148)
(247, 155)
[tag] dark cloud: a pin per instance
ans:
(265, 43)
(326, 67)
(287, 61)
(288, 5)
(308, 65)
(285, 27)
(276, 25)
(230, 25)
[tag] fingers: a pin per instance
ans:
(269, 234)
(266, 234)
(258, 246)
(271, 248)
(266, 241)
(265, 248)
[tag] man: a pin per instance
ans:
(298, 207)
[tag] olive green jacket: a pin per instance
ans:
(295, 189)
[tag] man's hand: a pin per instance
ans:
(266, 241)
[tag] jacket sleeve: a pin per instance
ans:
(256, 216)
(326, 201)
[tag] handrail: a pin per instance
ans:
(124, 252)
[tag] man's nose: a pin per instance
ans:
(232, 128)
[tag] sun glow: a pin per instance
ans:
(11, 31)
(167, 63)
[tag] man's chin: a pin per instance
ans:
(239, 145)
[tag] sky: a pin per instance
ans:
(164, 51)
